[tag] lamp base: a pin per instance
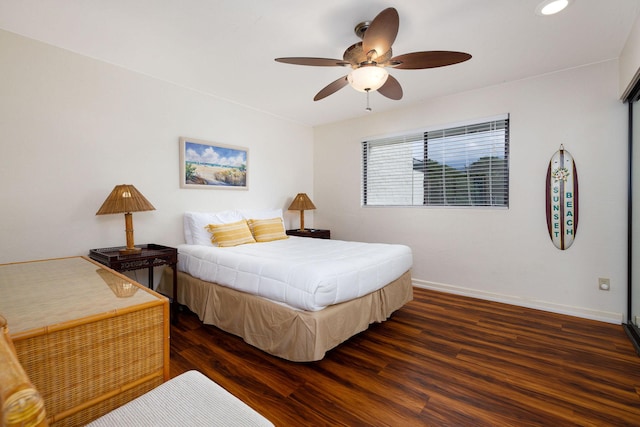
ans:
(128, 228)
(129, 251)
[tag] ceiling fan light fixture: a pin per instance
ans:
(367, 78)
(551, 7)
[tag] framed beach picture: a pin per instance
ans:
(209, 165)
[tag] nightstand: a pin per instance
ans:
(150, 256)
(310, 232)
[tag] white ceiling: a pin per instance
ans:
(226, 48)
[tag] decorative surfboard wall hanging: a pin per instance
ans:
(562, 199)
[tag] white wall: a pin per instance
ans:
(71, 128)
(504, 255)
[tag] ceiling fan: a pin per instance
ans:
(369, 58)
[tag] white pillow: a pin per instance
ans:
(195, 232)
(261, 213)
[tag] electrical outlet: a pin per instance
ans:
(604, 284)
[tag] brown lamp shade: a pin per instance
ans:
(125, 199)
(301, 203)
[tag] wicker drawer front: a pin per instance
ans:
(88, 369)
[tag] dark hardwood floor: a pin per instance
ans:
(442, 360)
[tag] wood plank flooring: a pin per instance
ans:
(442, 360)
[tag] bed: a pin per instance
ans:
(293, 297)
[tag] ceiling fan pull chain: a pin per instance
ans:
(368, 109)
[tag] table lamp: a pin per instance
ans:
(126, 199)
(301, 203)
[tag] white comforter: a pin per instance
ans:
(305, 273)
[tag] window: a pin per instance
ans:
(459, 166)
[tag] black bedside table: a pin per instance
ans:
(150, 255)
(310, 232)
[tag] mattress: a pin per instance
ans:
(304, 273)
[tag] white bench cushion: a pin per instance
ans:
(188, 399)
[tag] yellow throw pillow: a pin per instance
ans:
(266, 230)
(232, 234)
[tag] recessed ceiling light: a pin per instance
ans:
(550, 7)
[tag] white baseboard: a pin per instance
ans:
(586, 313)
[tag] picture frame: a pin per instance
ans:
(209, 165)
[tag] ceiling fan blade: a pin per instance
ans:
(391, 88)
(316, 62)
(381, 33)
(331, 88)
(430, 59)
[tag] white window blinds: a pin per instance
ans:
(458, 166)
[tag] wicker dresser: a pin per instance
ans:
(89, 338)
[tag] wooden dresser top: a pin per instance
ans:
(50, 293)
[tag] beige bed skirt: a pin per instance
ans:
(296, 335)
